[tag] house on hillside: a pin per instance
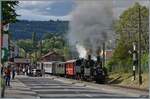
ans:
(108, 54)
(52, 56)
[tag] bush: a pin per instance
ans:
(144, 62)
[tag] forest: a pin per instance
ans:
(23, 29)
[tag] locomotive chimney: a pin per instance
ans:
(89, 57)
(98, 54)
(89, 54)
(99, 61)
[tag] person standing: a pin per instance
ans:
(13, 72)
(23, 70)
(7, 75)
(2, 69)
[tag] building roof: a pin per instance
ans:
(49, 53)
(70, 61)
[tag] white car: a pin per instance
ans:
(34, 72)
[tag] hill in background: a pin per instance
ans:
(23, 29)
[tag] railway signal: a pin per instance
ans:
(135, 59)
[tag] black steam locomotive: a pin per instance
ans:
(92, 70)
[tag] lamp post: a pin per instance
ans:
(103, 54)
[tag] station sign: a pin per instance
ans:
(21, 60)
(5, 41)
(4, 54)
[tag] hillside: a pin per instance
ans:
(23, 29)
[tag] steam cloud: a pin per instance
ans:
(90, 25)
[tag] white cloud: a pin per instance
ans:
(34, 3)
(41, 10)
(30, 15)
(48, 8)
(122, 5)
(38, 10)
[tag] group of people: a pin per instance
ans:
(8, 73)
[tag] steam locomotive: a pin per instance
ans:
(92, 70)
(80, 69)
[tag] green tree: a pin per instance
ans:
(127, 29)
(8, 12)
(26, 45)
(8, 16)
(34, 40)
(48, 35)
(55, 43)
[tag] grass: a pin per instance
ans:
(126, 79)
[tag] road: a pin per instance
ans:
(51, 88)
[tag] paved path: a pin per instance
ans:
(19, 90)
(47, 87)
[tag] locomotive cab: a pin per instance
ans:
(100, 72)
(88, 68)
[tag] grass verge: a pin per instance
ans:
(126, 79)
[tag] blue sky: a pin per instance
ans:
(62, 9)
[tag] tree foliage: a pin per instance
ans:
(55, 42)
(50, 42)
(127, 27)
(127, 30)
(8, 12)
(23, 29)
(34, 40)
(26, 45)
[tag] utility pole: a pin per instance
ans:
(1, 46)
(40, 48)
(103, 54)
(139, 47)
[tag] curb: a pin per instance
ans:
(132, 88)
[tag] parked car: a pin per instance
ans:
(33, 72)
(36, 72)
